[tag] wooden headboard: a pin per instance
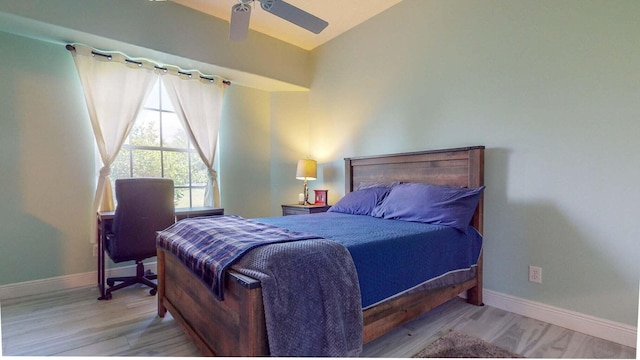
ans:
(460, 167)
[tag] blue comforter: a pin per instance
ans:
(394, 256)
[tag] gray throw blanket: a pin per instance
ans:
(311, 297)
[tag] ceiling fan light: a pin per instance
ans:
(239, 23)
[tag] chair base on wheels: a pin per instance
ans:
(141, 277)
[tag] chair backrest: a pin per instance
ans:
(145, 205)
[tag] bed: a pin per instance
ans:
(236, 325)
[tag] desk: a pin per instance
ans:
(105, 219)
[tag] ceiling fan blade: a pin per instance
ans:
(239, 23)
(294, 15)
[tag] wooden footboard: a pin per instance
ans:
(233, 327)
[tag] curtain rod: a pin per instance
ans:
(95, 53)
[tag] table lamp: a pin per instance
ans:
(306, 170)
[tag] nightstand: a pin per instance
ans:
(295, 209)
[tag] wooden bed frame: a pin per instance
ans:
(236, 326)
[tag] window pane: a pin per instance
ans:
(182, 197)
(120, 167)
(173, 134)
(176, 167)
(166, 102)
(197, 196)
(146, 163)
(199, 172)
(146, 130)
(153, 100)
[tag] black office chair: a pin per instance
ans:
(145, 205)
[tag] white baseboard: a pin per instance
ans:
(609, 330)
(1, 331)
(604, 329)
(35, 287)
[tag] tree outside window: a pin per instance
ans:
(158, 146)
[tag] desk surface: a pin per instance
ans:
(180, 212)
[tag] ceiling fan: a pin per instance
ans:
(241, 12)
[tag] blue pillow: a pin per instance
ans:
(430, 204)
(360, 202)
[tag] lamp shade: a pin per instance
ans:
(307, 169)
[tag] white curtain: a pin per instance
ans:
(197, 101)
(114, 88)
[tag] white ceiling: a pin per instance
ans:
(342, 15)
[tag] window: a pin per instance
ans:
(158, 146)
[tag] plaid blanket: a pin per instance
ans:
(209, 245)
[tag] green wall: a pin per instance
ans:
(551, 88)
(245, 151)
(46, 147)
(290, 134)
(261, 140)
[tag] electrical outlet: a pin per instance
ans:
(535, 274)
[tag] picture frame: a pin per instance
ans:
(321, 197)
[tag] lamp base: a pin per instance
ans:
(306, 194)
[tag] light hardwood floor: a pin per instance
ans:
(73, 322)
